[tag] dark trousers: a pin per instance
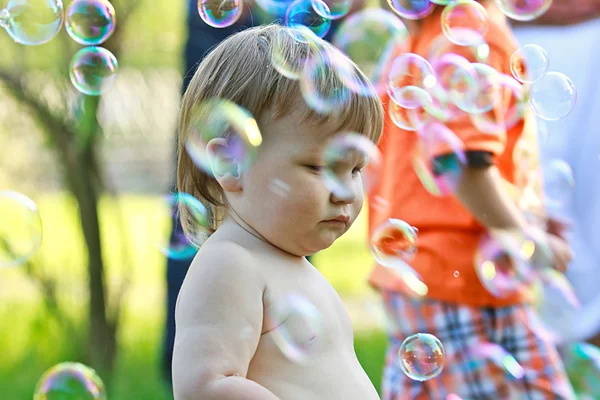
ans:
(201, 39)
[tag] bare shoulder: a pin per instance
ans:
(218, 317)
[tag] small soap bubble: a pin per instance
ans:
(409, 73)
(498, 355)
(422, 357)
(370, 38)
(394, 245)
(32, 22)
(558, 183)
(220, 13)
(222, 119)
(464, 22)
(70, 380)
(20, 228)
(90, 22)
(174, 244)
(456, 274)
(445, 172)
(412, 9)
(297, 326)
(93, 70)
(301, 13)
(504, 263)
(553, 97)
(335, 9)
(350, 151)
(407, 118)
(529, 63)
(523, 10)
(477, 90)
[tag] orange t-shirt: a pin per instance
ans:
(448, 235)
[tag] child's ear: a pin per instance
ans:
(224, 166)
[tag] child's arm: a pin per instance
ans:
(218, 325)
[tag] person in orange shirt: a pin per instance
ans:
(457, 308)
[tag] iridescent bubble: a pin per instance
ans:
(291, 63)
(523, 10)
(412, 9)
(504, 262)
(408, 119)
(296, 326)
(90, 22)
(456, 274)
(529, 63)
(335, 8)
(346, 150)
(475, 94)
(370, 38)
(220, 13)
(175, 245)
(315, 85)
(409, 78)
(558, 183)
(513, 100)
(93, 70)
(422, 357)
(499, 356)
(32, 22)
(553, 97)
(301, 13)
(394, 245)
(222, 119)
(70, 380)
(464, 22)
(442, 154)
(20, 228)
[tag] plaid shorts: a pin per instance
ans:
(463, 329)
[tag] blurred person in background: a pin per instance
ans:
(201, 39)
(570, 33)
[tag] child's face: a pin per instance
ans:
(284, 197)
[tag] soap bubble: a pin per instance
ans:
(70, 380)
(370, 38)
(499, 356)
(394, 245)
(296, 326)
(289, 63)
(20, 228)
(442, 154)
(408, 119)
(217, 118)
(90, 22)
(409, 78)
(529, 63)
(464, 22)
(350, 148)
(422, 356)
(506, 262)
(32, 22)
(523, 10)
(412, 9)
(93, 70)
(172, 244)
(220, 13)
(301, 13)
(582, 362)
(513, 100)
(558, 183)
(553, 97)
(477, 92)
(334, 9)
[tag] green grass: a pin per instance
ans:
(31, 342)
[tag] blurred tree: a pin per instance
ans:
(73, 132)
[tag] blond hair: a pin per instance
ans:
(239, 70)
